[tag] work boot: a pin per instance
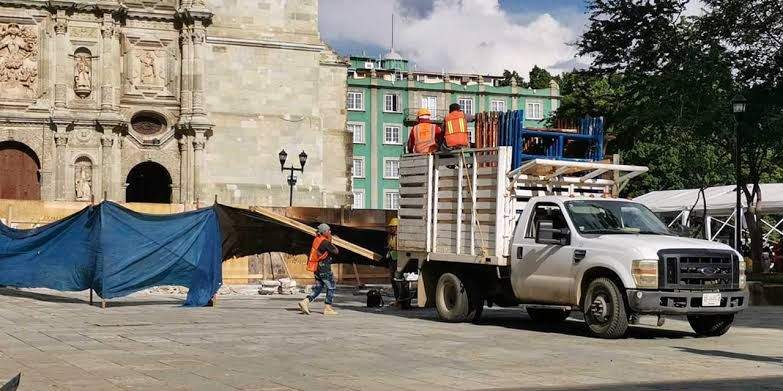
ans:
(328, 310)
(304, 305)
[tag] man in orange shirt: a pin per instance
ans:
(425, 137)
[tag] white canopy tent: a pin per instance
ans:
(721, 204)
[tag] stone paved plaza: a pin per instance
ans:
(148, 342)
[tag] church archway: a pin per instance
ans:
(20, 176)
(148, 182)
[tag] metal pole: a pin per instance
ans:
(291, 189)
(738, 216)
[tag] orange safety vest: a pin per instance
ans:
(456, 130)
(315, 258)
(424, 138)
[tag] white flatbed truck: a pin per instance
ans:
(551, 235)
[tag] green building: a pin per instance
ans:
(383, 97)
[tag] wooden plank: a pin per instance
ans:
(413, 179)
(312, 231)
(413, 171)
(447, 183)
(411, 212)
(408, 162)
(413, 202)
(419, 191)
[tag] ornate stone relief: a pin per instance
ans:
(83, 179)
(151, 67)
(82, 73)
(18, 60)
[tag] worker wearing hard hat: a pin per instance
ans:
(319, 262)
(456, 123)
(425, 137)
(391, 253)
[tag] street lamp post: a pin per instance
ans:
(738, 105)
(291, 178)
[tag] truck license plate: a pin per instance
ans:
(710, 299)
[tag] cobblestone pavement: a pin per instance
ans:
(148, 342)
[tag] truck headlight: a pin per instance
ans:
(645, 273)
(743, 281)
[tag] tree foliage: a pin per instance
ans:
(665, 80)
(539, 78)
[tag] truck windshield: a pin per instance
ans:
(614, 217)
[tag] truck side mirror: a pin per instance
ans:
(547, 234)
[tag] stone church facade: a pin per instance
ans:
(170, 101)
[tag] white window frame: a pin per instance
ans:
(399, 134)
(528, 112)
(425, 104)
(386, 103)
(353, 167)
(494, 105)
(364, 201)
(361, 100)
(386, 204)
(463, 106)
(361, 132)
(386, 161)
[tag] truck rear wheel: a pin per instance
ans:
(547, 315)
(711, 325)
(457, 299)
(604, 309)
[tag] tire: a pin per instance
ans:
(405, 295)
(604, 309)
(711, 325)
(548, 315)
(457, 300)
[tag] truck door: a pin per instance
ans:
(542, 273)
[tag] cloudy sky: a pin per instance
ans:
(472, 36)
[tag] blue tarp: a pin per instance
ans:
(116, 251)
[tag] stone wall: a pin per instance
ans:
(211, 91)
(274, 85)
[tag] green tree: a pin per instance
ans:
(671, 79)
(508, 76)
(539, 78)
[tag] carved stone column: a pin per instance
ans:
(199, 40)
(108, 32)
(184, 171)
(62, 50)
(198, 164)
(186, 94)
(106, 182)
(60, 142)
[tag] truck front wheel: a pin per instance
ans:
(604, 309)
(711, 325)
(457, 300)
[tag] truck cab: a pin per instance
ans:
(616, 260)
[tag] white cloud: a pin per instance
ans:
(475, 36)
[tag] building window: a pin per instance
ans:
(391, 134)
(534, 111)
(358, 199)
(430, 103)
(467, 105)
(358, 132)
(391, 103)
(358, 167)
(391, 199)
(497, 105)
(355, 101)
(391, 168)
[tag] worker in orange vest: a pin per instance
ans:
(425, 136)
(456, 128)
(320, 263)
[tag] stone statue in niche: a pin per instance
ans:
(82, 73)
(18, 59)
(83, 179)
(149, 73)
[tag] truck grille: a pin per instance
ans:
(698, 270)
